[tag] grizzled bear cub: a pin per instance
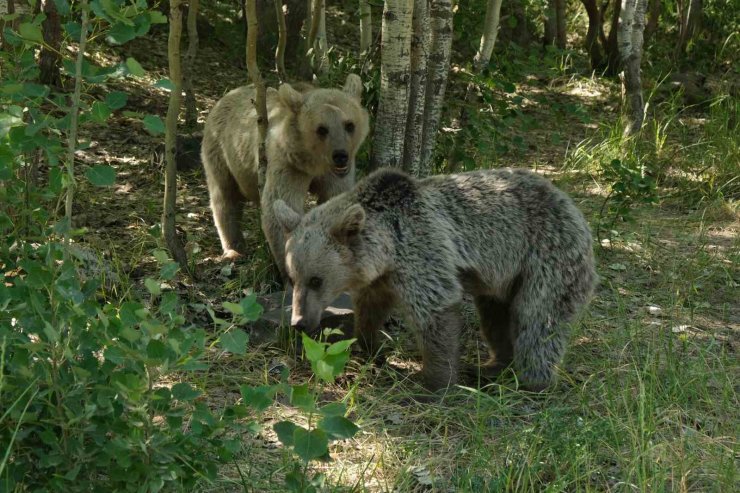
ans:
(508, 237)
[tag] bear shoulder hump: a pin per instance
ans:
(388, 188)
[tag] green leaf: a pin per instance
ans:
(338, 427)
(62, 7)
(258, 398)
(135, 67)
(153, 124)
(340, 347)
(73, 29)
(324, 371)
(169, 270)
(337, 362)
(285, 431)
(314, 350)
(251, 309)
(152, 286)
(233, 308)
(235, 341)
(101, 175)
(302, 398)
(161, 256)
(100, 112)
(334, 409)
(184, 392)
(30, 32)
(156, 349)
(309, 445)
(157, 17)
(116, 100)
(165, 84)
(120, 33)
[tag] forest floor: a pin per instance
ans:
(648, 396)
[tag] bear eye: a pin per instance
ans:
(315, 282)
(322, 131)
(349, 127)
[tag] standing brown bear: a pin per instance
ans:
(311, 143)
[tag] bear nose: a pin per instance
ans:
(340, 158)
(298, 324)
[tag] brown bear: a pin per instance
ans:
(507, 237)
(312, 140)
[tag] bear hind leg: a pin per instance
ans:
(227, 204)
(440, 348)
(495, 321)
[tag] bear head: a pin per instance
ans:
(330, 126)
(320, 259)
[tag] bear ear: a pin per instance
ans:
(290, 97)
(353, 86)
(350, 224)
(286, 217)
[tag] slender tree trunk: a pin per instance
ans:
(420, 45)
(630, 32)
(438, 67)
(551, 23)
(654, 10)
(261, 95)
(282, 41)
(366, 26)
(191, 107)
(521, 34)
(592, 36)
(561, 33)
(173, 109)
(490, 32)
(73, 118)
(395, 62)
(317, 34)
(49, 59)
(613, 62)
(691, 13)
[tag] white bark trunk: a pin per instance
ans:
(395, 61)
(438, 66)
(191, 106)
(420, 45)
(630, 39)
(366, 26)
(490, 32)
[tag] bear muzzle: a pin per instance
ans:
(341, 162)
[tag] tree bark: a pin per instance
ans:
(49, 58)
(551, 23)
(592, 36)
(438, 67)
(561, 33)
(317, 34)
(261, 95)
(282, 40)
(630, 34)
(690, 15)
(169, 230)
(191, 107)
(654, 10)
(420, 45)
(613, 60)
(366, 26)
(490, 32)
(395, 62)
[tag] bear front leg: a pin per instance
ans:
(440, 350)
(372, 308)
(227, 205)
(331, 185)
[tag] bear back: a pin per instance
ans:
(388, 189)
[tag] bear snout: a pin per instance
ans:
(341, 162)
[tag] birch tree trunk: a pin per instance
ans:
(49, 58)
(438, 67)
(490, 32)
(420, 45)
(366, 26)
(173, 109)
(317, 34)
(551, 24)
(191, 107)
(592, 36)
(261, 95)
(282, 41)
(630, 32)
(395, 62)
(561, 34)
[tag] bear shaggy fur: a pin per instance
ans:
(507, 237)
(312, 140)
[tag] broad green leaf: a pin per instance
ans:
(324, 371)
(337, 362)
(153, 124)
(161, 256)
(235, 341)
(156, 349)
(120, 33)
(338, 427)
(31, 32)
(35, 90)
(116, 100)
(100, 112)
(334, 409)
(340, 347)
(309, 445)
(157, 17)
(135, 67)
(285, 431)
(73, 29)
(251, 309)
(314, 350)
(101, 175)
(165, 84)
(258, 398)
(233, 308)
(152, 286)
(184, 392)
(169, 270)
(62, 7)
(302, 398)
